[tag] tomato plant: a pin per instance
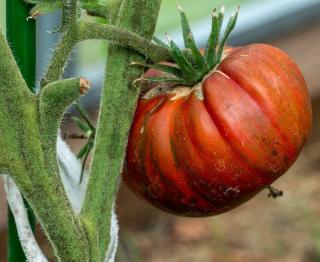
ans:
(212, 128)
(203, 149)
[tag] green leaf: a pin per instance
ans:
(188, 72)
(84, 153)
(81, 124)
(85, 117)
(159, 42)
(192, 65)
(186, 30)
(211, 49)
(197, 56)
(231, 25)
(84, 165)
(84, 150)
(161, 67)
(189, 41)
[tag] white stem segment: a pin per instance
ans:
(114, 232)
(29, 244)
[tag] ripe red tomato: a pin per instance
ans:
(204, 150)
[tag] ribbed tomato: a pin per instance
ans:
(204, 150)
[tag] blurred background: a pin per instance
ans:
(285, 229)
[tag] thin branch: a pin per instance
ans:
(95, 8)
(53, 101)
(93, 31)
(89, 31)
(69, 13)
(60, 57)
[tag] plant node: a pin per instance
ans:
(84, 85)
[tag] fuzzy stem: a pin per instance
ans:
(23, 43)
(156, 53)
(53, 101)
(45, 193)
(94, 8)
(24, 162)
(113, 7)
(116, 113)
(60, 56)
(13, 90)
(93, 31)
(69, 13)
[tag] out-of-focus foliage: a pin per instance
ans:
(94, 7)
(169, 17)
(44, 6)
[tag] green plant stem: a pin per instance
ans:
(117, 109)
(69, 13)
(24, 160)
(95, 8)
(60, 56)
(29, 124)
(113, 7)
(91, 31)
(54, 99)
(23, 44)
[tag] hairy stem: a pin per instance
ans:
(24, 161)
(53, 101)
(96, 9)
(23, 44)
(69, 13)
(45, 194)
(156, 53)
(81, 31)
(93, 31)
(60, 56)
(66, 44)
(116, 113)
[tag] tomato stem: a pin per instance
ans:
(195, 67)
(114, 34)
(23, 44)
(118, 103)
(82, 31)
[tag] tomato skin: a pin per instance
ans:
(201, 156)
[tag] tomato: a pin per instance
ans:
(204, 150)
